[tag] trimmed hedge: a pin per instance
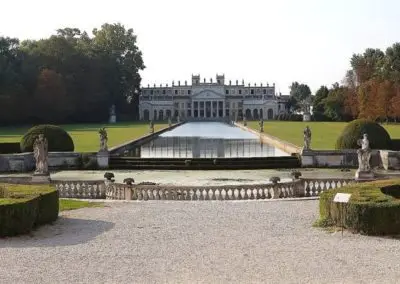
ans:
(10, 148)
(59, 140)
(378, 137)
(370, 211)
(26, 207)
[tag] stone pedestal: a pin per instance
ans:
(364, 175)
(103, 158)
(41, 179)
(113, 118)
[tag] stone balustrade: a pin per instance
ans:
(81, 189)
(118, 191)
(313, 187)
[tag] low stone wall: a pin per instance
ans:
(337, 158)
(390, 159)
(272, 140)
(25, 162)
(134, 145)
(81, 189)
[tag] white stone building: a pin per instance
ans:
(205, 100)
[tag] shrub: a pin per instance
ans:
(377, 135)
(370, 211)
(27, 206)
(59, 140)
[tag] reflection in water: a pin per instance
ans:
(208, 140)
(195, 147)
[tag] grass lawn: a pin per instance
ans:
(86, 136)
(67, 204)
(324, 134)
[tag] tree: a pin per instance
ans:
(300, 95)
(320, 96)
(368, 64)
(334, 103)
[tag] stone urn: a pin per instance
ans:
(276, 190)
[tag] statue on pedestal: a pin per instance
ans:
(151, 127)
(364, 156)
(307, 138)
(244, 121)
(103, 139)
(40, 152)
(261, 123)
(169, 122)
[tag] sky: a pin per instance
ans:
(260, 41)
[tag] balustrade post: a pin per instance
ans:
(298, 188)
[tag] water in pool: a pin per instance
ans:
(208, 140)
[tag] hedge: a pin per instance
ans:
(373, 209)
(26, 207)
(58, 139)
(378, 137)
(10, 148)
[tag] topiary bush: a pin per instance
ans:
(26, 207)
(370, 211)
(58, 139)
(377, 135)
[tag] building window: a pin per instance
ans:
(163, 92)
(252, 91)
(176, 92)
(219, 82)
(240, 91)
(189, 92)
(264, 91)
(151, 92)
(227, 92)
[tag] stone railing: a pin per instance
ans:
(81, 189)
(313, 187)
(118, 191)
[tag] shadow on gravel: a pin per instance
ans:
(64, 232)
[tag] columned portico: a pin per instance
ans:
(207, 109)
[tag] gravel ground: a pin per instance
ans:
(197, 242)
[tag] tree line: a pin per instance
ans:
(70, 77)
(370, 89)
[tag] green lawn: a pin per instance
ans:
(70, 204)
(86, 137)
(324, 134)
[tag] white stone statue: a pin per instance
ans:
(364, 154)
(307, 138)
(169, 122)
(103, 139)
(40, 152)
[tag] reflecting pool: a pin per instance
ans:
(208, 140)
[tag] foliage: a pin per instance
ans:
(71, 204)
(334, 103)
(318, 102)
(26, 207)
(377, 135)
(88, 162)
(129, 181)
(70, 76)
(58, 139)
(300, 94)
(369, 210)
(289, 117)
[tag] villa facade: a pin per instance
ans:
(210, 99)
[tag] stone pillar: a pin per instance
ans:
(205, 107)
(212, 109)
(103, 158)
(223, 107)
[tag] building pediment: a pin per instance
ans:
(208, 94)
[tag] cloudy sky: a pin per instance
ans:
(279, 41)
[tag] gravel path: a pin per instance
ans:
(197, 242)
